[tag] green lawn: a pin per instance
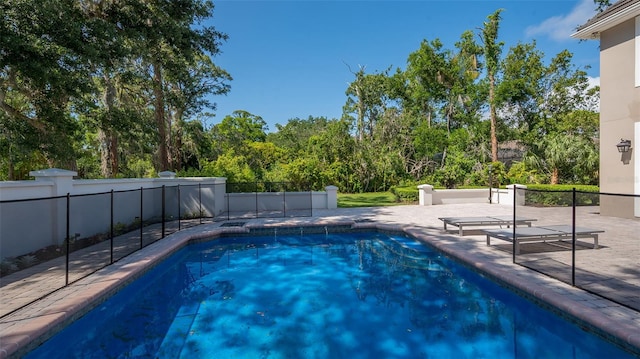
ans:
(350, 200)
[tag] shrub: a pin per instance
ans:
(519, 173)
(561, 195)
(7, 266)
(26, 261)
(405, 194)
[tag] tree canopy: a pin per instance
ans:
(122, 89)
(113, 70)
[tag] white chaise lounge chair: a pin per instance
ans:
(462, 222)
(542, 234)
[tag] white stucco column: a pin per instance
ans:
(513, 190)
(219, 195)
(62, 180)
(167, 174)
(425, 192)
(62, 185)
(332, 197)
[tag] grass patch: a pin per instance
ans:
(377, 199)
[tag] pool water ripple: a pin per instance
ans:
(334, 295)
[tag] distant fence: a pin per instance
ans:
(275, 200)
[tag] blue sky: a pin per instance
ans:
(291, 59)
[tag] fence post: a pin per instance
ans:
(163, 210)
(573, 238)
(200, 202)
(311, 199)
(490, 183)
(515, 240)
(518, 197)
(66, 279)
(141, 213)
(111, 228)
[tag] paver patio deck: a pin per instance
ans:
(614, 268)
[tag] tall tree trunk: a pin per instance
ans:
(11, 175)
(108, 140)
(159, 114)
(105, 153)
(492, 116)
(115, 164)
(492, 50)
(177, 156)
(360, 113)
(109, 166)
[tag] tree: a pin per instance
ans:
(567, 158)
(46, 48)
(565, 90)
(316, 147)
(171, 42)
(69, 66)
(462, 95)
(492, 50)
(293, 137)
(238, 130)
(187, 89)
(369, 96)
(520, 93)
(424, 73)
(443, 96)
(602, 4)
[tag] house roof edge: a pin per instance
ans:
(615, 14)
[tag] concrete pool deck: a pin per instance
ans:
(25, 328)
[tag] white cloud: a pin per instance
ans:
(594, 81)
(560, 28)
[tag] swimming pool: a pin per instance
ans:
(333, 295)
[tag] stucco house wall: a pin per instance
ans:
(618, 30)
(619, 113)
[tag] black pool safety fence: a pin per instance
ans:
(590, 240)
(267, 200)
(54, 241)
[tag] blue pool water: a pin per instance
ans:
(358, 295)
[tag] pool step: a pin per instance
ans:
(178, 332)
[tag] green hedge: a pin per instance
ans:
(405, 194)
(561, 195)
(537, 194)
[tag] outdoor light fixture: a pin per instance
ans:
(624, 146)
